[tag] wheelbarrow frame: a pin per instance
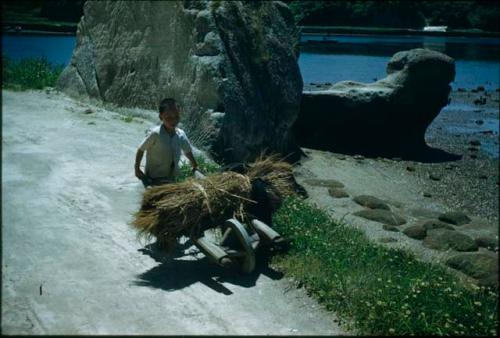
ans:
(235, 233)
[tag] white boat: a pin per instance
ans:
(435, 28)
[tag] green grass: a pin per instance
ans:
(127, 118)
(378, 290)
(204, 166)
(29, 73)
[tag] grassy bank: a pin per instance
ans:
(29, 73)
(374, 289)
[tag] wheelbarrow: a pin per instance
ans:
(239, 242)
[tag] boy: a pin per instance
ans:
(163, 147)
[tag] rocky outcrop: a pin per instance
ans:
(232, 65)
(388, 117)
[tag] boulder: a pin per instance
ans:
(381, 216)
(481, 266)
(232, 66)
(415, 231)
(388, 117)
(329, 183)
(371, 202)
(436, 224)
(444, 239)
(488, 242)
(454, 217)
(389, 227)
(337, 193)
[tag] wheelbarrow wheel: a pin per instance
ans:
(246, 252)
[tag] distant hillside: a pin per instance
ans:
(50, 15)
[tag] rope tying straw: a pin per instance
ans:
(203, 191)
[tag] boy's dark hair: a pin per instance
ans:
(167, 104)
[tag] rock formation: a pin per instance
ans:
(232, 65)
(387, 117)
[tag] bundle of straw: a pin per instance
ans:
(277, 176)
(172, 210)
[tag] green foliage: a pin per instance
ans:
(398, 14)
(378, 290)
(29, 73)
(205, 166)
(127, 118)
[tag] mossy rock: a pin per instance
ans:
(382, 216)
(444, 239)
(455, 217)
(371, 202)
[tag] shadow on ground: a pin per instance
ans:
(180, 270)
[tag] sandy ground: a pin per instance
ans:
(71, 264)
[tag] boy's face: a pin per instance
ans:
(170, 118)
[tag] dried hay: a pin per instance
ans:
(186, 208)
(172, 210)
(277, 175)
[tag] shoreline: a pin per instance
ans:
(340, 30)
(470, 130)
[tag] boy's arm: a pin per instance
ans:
(138, 158)
(191, 159)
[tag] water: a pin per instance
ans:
(364, 58)
(56, 48)
(360, 58)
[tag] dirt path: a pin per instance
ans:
(72, 265)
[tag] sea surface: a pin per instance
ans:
(331, 58)
(363, 58)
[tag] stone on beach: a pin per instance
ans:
(436, 224)
(337, 193)
(444, 239)
(488, 242)
(455, 217)
(390, 227)
(415, 231)
(483, 267)
(371, 202)
(329, 183)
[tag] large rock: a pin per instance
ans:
(417, 231)
(481, 266)
(444, 239)
(232, 65)
(387, 117)
(454, 217)
(371, 202)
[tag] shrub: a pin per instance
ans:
(29, 73)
